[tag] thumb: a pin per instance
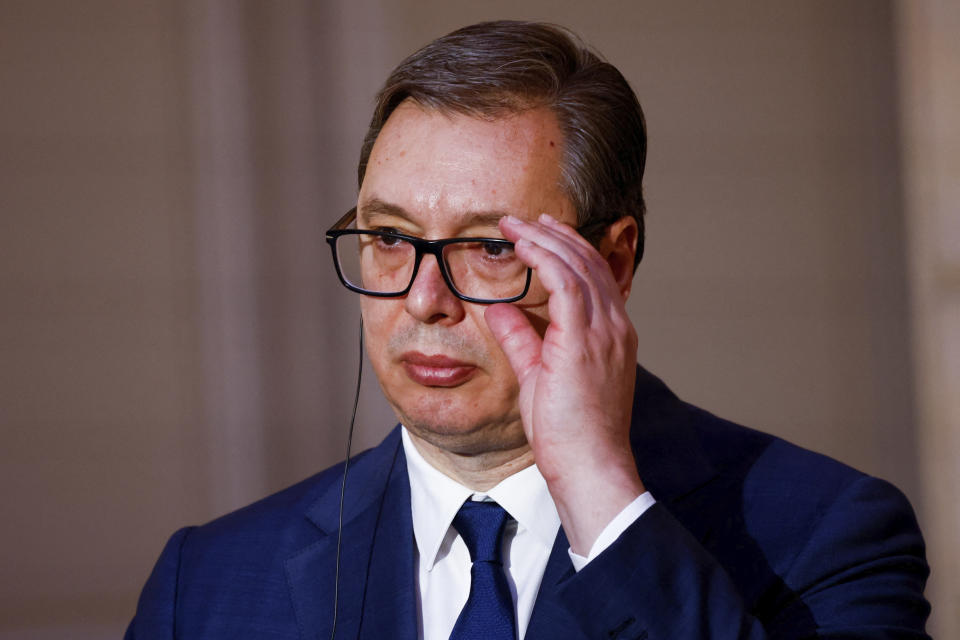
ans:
(517, 337)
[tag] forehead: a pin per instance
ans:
(438, 165)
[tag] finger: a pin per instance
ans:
(599, 298)
(577, 301)
(554, 235)
(565, 229)
(516, 337)
(572, 298)
(581, 256)
(576, 252)
(616, 298)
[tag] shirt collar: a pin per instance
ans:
(435, 499)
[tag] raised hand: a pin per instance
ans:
(577, 380)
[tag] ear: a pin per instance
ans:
(618, 246)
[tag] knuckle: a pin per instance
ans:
(567, 283)
(580, 266)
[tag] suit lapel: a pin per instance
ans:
(549, 618)
(669, 455)
(376, 582)
(390, 606)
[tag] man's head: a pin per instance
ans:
(492, 69)
(494, 119)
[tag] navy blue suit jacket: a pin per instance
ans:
(751, 537)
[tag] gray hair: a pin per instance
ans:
(491, 69)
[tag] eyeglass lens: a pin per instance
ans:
(477, 268)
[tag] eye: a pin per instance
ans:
(388, 240)
(495, 252)
(494, 248)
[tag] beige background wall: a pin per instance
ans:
(173, 343)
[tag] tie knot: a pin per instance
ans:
(481, 525)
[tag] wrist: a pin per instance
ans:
(588, 502)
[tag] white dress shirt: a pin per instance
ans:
(442, 560)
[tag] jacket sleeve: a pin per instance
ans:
(155, 618)
(859, 574)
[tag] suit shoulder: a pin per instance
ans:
(267, 517)
(789, 493)
(769, 464)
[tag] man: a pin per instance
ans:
(541, 485)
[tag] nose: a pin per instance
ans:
(430, 299)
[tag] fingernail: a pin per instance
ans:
(510, 220)
(547, 218)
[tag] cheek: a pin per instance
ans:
(378, 324)
(482, 337)
(380, 312)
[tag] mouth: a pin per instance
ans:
(437, 370)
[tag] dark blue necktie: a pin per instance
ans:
(488, 614)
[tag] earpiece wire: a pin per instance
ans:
(343, 485)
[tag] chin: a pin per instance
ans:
(454, 422)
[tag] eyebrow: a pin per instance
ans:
(375, 206)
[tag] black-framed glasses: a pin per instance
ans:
(385, 263)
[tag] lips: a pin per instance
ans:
(437, 370)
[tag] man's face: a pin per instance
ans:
(435, 175)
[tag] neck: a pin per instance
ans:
(476, 471)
